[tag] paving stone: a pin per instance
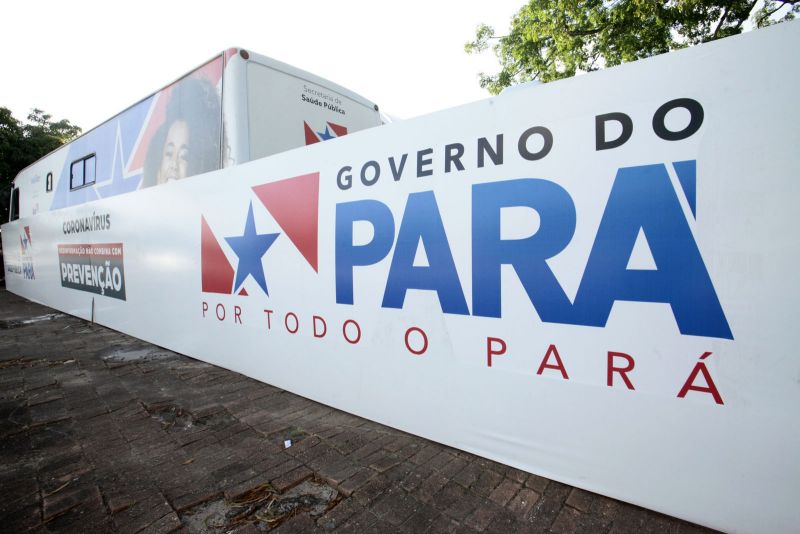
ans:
(61, 501)
(395, 508)
(382, 461)
(349, 441)
(449, 496)
(468, 475)
(325, 456)
(550, 504)
(118, 503)
(398, 443)
(367, 450)
(487, 481)
(568, 520)
(167, 523)
(463, 507)
(523, 502)
(76, 519)
(481, 517)
(454, 467)
(430, 487)
(324, 429)
(579, 499)
(445, 523)
(142, 515)
(372, 489)
(358, 479)
(19, 492)
(505, 491)
(44, 397)
(22, 517)
(421, 519)
(516, 474)
(415, 477)
(339, 514)
(425, 454)
(239, 489)
(193, 498)
(300, 523)
(603, 510)
(504, 522)
(338, 472)
(440, 460)
(360, 521)
(302, 447)
(291, 478)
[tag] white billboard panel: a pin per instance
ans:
(592, 280)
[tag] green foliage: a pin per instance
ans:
(23, 143)
(553, 39)
(41, 135)
(10, 134)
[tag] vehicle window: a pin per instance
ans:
(14, 213)
(76, 174)
(88, 170)
(82, 172)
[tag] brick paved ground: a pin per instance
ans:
(100, 432)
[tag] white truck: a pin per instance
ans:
(237, 107)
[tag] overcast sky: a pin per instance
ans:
(85, 61)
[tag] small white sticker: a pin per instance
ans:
(287, 443)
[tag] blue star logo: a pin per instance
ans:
(326, 134)
(250, 247)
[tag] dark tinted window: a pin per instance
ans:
(14, 213)
(82, 172)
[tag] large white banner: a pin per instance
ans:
(593, 280)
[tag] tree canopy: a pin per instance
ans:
(23, 143)
(553, 39)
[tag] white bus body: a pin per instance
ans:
(594, 280)
(239, 105)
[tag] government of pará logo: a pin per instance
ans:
(26, 258)
(293, 204)
(329, 131)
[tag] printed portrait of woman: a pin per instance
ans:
(188, 142)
